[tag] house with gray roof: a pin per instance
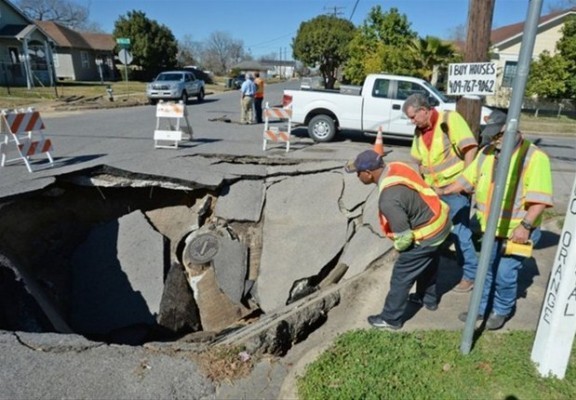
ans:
(80, 56)
(25, 50)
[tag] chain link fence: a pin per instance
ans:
(536, 106)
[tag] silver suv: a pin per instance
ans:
(175, 85)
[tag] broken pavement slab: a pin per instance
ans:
(304, 230)
(118, 276)
(241, 201)
(362, 250)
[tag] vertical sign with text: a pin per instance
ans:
(557, 323)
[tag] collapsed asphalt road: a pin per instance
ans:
(112, 218)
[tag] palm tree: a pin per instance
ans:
(430, 53)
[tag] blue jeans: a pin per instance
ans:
(505, 286)
(466, 256)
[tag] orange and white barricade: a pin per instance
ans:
(274, 133)
(22, 135)
(171, 112)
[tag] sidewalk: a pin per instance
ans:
(366, 296)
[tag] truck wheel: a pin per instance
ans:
(322, 128)
(184, 97)
(201, 95)
(152, 101)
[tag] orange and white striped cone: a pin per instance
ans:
(379, 143)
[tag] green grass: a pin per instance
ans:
(16, 97)
(375, 364)
(563, 125)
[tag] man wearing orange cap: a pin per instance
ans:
(413, 217)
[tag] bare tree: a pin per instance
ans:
(67, 13)
(222, 51)
(189, 51)
(458, 33)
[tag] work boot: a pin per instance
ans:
(416, 299)
(464, 286)
(464, 316)
(378, 322)
(495, 321)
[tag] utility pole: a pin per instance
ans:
(480, 14)
(336, 11)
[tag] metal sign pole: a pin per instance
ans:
(519, 85)
(126, 65)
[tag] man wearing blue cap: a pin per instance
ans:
(412, 215)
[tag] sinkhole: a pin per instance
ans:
(128, 265)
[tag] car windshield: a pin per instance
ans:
(444, 98)
(169, 77)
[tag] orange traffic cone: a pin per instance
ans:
(379, 144)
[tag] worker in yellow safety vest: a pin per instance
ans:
(416, 220)
(528, 192)
(443, 146)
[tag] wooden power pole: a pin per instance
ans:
(480, 14)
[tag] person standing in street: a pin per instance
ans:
(443, 146)
(258, 97)
(247, 90)
(528, 192)
(417, 221)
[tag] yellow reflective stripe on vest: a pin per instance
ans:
(445, 165)
(440, 161)
(434, 226)
(512, 211)
(438, 221)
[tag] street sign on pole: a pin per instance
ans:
(123, 42)
(125, 58)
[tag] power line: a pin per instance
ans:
(271, 40)
(353, 10)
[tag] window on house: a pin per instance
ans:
(509, 73)
(84, 57)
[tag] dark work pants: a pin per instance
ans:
(420, 265)
(258, 108)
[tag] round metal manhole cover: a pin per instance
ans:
(203, 248)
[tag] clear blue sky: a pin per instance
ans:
(267, 27)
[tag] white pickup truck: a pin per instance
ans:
(377, 103)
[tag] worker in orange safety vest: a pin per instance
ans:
(416, 220)
(258, 97)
